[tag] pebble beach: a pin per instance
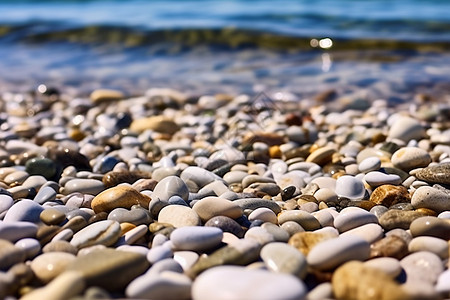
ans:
(167, 195)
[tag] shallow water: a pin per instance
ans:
(372, 48)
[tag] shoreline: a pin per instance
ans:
(166, 195)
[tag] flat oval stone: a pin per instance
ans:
(52, 216)
(105, 232)
(119, 196)
(196, 238)
(370, 232)
(102, 95)
(198, 175)
(49, 265)
(10, 255)
(136, 216)
(6, 202)
(31, 246)
(395, 218)
(388, 265)
(260, 235)
(432, 198)
(350, 187)
(263, 214)
(283, 258)
(101, 266)
(388, 194)
(234, 176)
(321, 156)
(422, 266)
(60, 246)
(353, 218)
(303, 218)
(241, 282)
(171, 186)
(431, 226)
(45, 194)
(226, 224)
(159, 253)
(254, 203)
(41, 166)
(372, 163)
(17, 177)
(210, 207)
(82, 185)
(431, 244)
(408, 158)
(278, 233)
(436, 174)
(24, 210)
(169, 285)
(406, 129)
(179, 216)
(159, 123)
(16, 230)
(376, 178)
(331, 253)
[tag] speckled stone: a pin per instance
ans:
(49, 265)
(241, 283)
(119, 196)
(431, 198)
(431, 226)
(390, 246)
(388, 194)
(283, 258)
(179, 216)
(436, 174)
(409, 158)
(354, 280)
(100, 268)
(100, 233)
(395, 218)
(331, 253)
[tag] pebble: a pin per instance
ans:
(82, 185)
(396, 218)
(52, 216)
(305, 241)
(369, 164)
(41, 166)
(16, 230)
(334, 252)
(409, 158)
(350, 187)
(389, 246)
(10, 255)
(436, 174)
(283, 258)
(171, 186)
(263, 214)
(24, 210)
(371, 232)
(406, 129)
(303, 218)
(353, 217)
(31, 246)
(432, 244)
(443, 283)
(186, 259)
(210, 207)
(45, 194)
(321, 156)
(388, 194)
(106, 95)
(226, 224)
(49, 265)
(428, 197)
(160, 124)
(422, 266)
(388, 265)
(254, 203)
(179, 216)
(431, 226)
(195, 238)
(100, 233)
(241, 282)
(376, 178)
(119, 196)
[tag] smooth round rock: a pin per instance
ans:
(16, 230)
(321, 156)
(171, 186)
(196, 238)
(388, 265)
(31, 246)
(395, 218)
(432, 244)
(52, 216)
(390, 246)
(376, 178)
(82, 185)
(431, 226)
(179, 216)
(349, 219)
(283, 258)
(226, 224)
(331, 253)
(10, 255)
(159, 253)
(210, 207)
(303, 218)
(443, 283)
(45, 194)
(6, 202)
(136, 216)
(409, 158)
(49, 265)
(105, 232)
(406, 129)
(422, 266)
(388, 194)
(263, 214)
(436, 174)
(159, 123)
(41, 166)
(260, 235)
(372, 163)
(432, 198)
(60, 246)
(254, 203)
(24, 210)
(371, 232)
(350, 187)
(102, 95)
(119, 196)
(241, 283)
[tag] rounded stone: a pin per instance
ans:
(436, 174)
(16, 230)
(263, 214)
(352, 218)
(31, 246)
(376, 178)
(395, 218)
(303, 218)
(226, 224)
(49, 265)
(45, 194)
(443, 283)
(6, 202)
(406, 129)
(422, 266)
(136, 216)
(10, 255)
(118, 196)
(179, 216)
(24, 210)
(210, 207)
(60, 246)
(41, 166)
(160, 124)
(431, 226)
(388, 194)
(432, 244)
(105, 232)
(196, 238)
(432, 198)
(371, 232)
(171, 186)
(331, 253)
(52, 216)
(102, 95)
(372, 163)
(409, 158)
(350, 187)
(388, 265)
(305, 241)
(83, 185)
(321, 156)
(241, 283)
(283, 258)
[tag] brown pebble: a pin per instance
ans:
(52, 216)
(431, 226)
(395, 218)
(118, 196)
(46, 232)
(60, 246)
(388, 195)
(270, 139)
(145, 184)
(75, 224)
(114, 178)
(98, 217)
(390, 246)
(305, 241)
